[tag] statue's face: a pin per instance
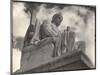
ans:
(57, 21)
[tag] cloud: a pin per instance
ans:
(20, 20)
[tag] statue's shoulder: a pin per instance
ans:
(46, 23)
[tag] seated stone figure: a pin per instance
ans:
(43, 34)
(46, 42)
(48, 33)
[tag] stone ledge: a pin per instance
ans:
(72, 61)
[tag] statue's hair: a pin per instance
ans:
(57, 15)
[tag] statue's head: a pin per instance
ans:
(68, 28)
(57, 19)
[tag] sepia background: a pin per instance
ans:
(80, 18)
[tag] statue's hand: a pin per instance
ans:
(34, 41)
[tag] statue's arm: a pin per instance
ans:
(36, 35)
(50, 31)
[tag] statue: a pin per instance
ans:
(70, 39)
